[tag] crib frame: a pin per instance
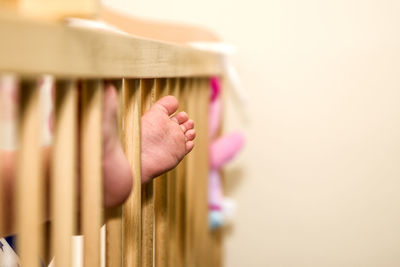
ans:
(164, 222)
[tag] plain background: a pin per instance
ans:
(319, 180)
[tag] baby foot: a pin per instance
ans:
(116, 168)
(165, 139)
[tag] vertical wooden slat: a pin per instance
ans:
(216, 247)
(113, 243)
(196, 234)
(201, 181)
(195, 172)
(2, 137)
(148, 98)
(132, 208)
(173, 85)
(64, 172)
(8, 141)
(181, 187)
(217, 236)
(113, 237)
(2, 197)
(191, 97)
(30, 208)
(160, 201)
(91, 169)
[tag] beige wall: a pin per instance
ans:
(319, 181)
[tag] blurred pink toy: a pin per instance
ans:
(222, 150)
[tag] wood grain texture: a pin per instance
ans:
(201, 231)
(2, 197)
(148, 98)
(191, 161)
(172, 249)
(181, 188)
(195, 171)
(160, 201)
(64, 169)
(71, 52)
(132, 218)
(216, 237)
(113, 242)
(196, 202)
(216, 248)
(30, 191)
(2, 137)
(91, 169)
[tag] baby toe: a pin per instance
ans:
(190, 135)
(180, 118)
(189, 146)
(168, 103)
(188, 125)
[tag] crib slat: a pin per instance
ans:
(91, 169)
(197, 183)
(173, 85)
(181, 187)
(201, 181)
(148, 98)
(113, 242)
(132, 208)
(64, 172)
(2, 197)
(2, 137)
(160, 201)
(8, 86)
(216, 248)
(29, 181)
(217, 236)
(190, 180)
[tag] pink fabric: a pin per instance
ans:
(214, 117)
(225, 148)
(215, 195)
(222, 150)
(215, 87)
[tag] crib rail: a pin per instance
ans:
(71, 52)
(163, 222)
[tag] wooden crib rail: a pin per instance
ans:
(33, 48)
(163, 223)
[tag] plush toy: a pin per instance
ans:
(222, 150)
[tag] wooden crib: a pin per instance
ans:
(164, 222)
